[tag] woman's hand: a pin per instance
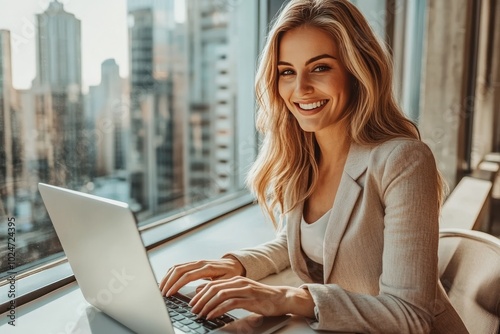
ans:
(181, 274)
(218, 297)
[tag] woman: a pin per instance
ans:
(359, 192)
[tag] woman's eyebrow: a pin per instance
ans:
(312, 60)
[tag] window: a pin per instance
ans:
(442, 75)
(152, 106)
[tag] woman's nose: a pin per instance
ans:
(303, 85)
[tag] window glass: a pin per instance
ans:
(138, 106)
(376, 14)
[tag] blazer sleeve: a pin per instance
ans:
(266, 259)
(408, 283)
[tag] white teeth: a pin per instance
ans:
(310, 106)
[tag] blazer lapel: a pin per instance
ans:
(297, 260)
(345, 200)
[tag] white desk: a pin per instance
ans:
(65, 311)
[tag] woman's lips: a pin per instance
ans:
(311, 108)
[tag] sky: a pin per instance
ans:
(104, 36)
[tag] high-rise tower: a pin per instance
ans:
(109, 108)
(212, 99)
(58, 49)
(58, 103)
(158, 108)
(10, 143)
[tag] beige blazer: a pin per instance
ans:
(380, 247)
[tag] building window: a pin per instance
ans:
(155, 127)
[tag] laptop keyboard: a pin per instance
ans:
(183, 319)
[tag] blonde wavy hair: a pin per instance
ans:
(288, 154)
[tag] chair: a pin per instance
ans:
(469, 269)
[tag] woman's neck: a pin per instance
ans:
(334, 144)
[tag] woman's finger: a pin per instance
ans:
(226, 306)
(200, 287)
(190, 273)
(180, 275)
(227, 298)
(179, 272)
(176, 270)
(216, 292)
(174, 283)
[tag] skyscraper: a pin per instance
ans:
(108, 106)
(212, 99)
(157, 94)
(59, 49)
(10, 149)
(58, 102)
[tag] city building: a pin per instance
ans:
(11, 166)
(108, 115)
(58, 104)
(157, 113)
(212, 99)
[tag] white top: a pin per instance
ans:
(312, 237)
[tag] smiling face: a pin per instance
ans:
(312, 82)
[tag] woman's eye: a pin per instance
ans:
(321, 68)
(286, 72)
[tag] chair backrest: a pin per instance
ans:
(469, 269)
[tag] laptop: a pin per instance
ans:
(110, 263)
